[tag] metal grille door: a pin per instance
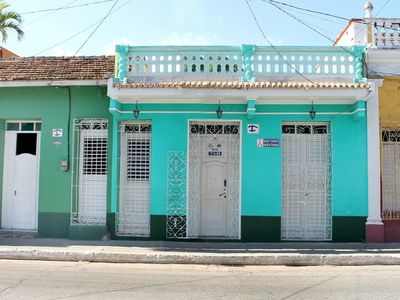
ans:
(391, 174)
(133, 218)
(306, 187)
(90, 162)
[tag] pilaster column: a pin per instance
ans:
(374, 226)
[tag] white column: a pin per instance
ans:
(373, 131)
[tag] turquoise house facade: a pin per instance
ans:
(246, 143)
(241, 143)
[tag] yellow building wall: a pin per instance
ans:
(389, 103)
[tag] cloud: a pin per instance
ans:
(109, 49)
(186, 39)
(57, 51)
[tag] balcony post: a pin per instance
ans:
(248, 66)
(358, 52)
(121, 59)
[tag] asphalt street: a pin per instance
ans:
(83, 280)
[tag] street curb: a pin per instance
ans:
(201, 258)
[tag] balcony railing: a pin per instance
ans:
(247, 63)
(386, 32)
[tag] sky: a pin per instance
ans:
(66, 31)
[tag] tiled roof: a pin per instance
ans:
(57, 68)
(242, 85)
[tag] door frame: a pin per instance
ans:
(38, 154)
(240, 166)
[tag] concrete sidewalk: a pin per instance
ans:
(166, 252)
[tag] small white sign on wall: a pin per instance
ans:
(58, 132)
(253, 128)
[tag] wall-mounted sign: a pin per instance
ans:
(262, 143)
(215, 150)
(253, 128)
(215, 153)
(57, 132)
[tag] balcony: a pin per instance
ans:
(248, 63)
(386, 32)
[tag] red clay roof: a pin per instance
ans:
(57, 68)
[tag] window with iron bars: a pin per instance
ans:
(390, 173)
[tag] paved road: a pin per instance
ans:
(69, 280)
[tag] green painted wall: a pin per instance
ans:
(261, 167)
(50, 105)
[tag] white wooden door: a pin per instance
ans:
(306, 196)
(20, 183)
(213, 216)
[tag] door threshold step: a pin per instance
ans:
(21, 234)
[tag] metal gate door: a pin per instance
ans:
(306, 187)
(133, 218)
(89, 197)
(391, 173)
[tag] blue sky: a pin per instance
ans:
(175, 22)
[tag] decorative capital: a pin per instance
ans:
(251, 109)
(121, 49)
(359, 110)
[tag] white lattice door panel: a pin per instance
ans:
(134, 204)
(306, 196)
(214, 179)
(391, 174)
(20, 182)
(92, 176)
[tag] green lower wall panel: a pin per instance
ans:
(53, 225)
(110, 225)
(254, 229)
(87, 232)
(158, 227)
(348, 229)
(261, 229)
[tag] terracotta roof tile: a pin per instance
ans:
(242, 85)
(57, 68)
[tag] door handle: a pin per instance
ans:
(225, 182)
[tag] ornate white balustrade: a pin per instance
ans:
(386, 32)
(310, 62)
(246, 63)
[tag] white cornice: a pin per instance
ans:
(383, 60)
(239, 96)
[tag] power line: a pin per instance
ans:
(327, 14)
(384, 5)
(42, 17)
(305, 9)
(64, 7)
(328, 38)
(83, 30)
(272, 45)
(97, 27)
